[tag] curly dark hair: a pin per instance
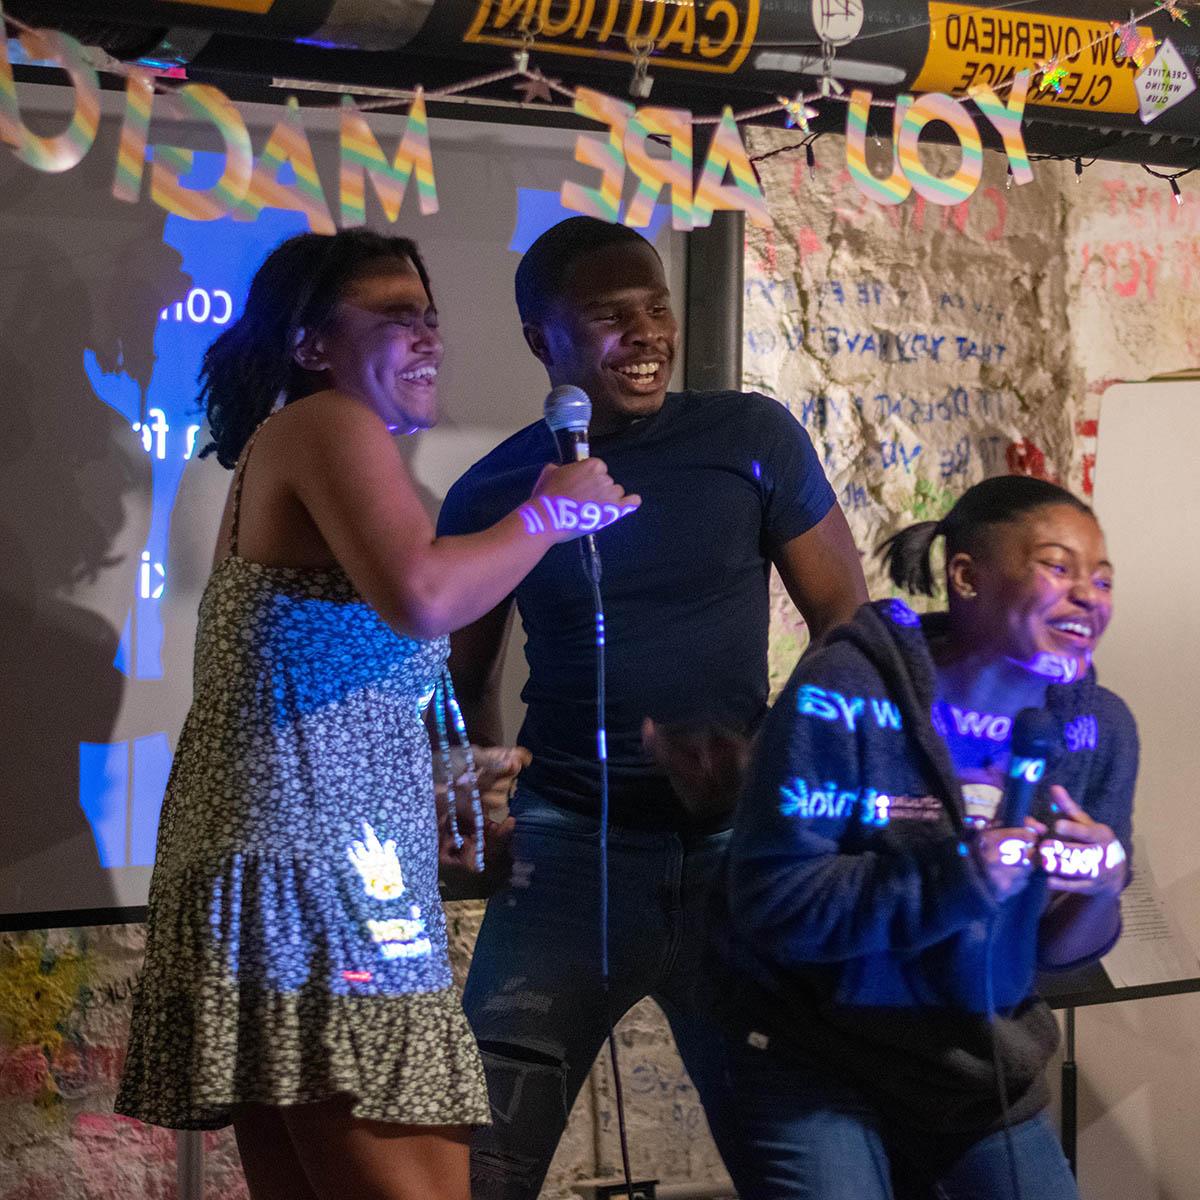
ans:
(250, 365)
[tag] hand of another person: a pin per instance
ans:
(575, 499)
(497, 768)
(1006, 856)
(705, 764)
(1081, 855)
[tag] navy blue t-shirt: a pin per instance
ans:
(726, 478)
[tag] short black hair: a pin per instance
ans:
(995, 501)
(544, 267)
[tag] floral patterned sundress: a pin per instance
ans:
(296, 943)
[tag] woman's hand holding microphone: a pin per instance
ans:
(1081, 855)
(576, 499)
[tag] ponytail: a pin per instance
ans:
(906, 556)
(995, 501)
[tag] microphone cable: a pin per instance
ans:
(591, 565)
(1034, 735)
(568, 412)
(997, 1061)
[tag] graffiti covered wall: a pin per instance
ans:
(911, 341)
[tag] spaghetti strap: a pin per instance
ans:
(235, 523)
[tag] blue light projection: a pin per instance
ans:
(992, 727)
(564, 514)
(1030, 770)
(1058, 668)
(1074, 860)
(378, 867)
(402, 937)
(828, 705)
(813, 801)
(1081, 733)
(902, 615)
(809, 802)
(121, 784)
(124, 833)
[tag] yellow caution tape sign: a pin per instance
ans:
(696, 35)
(969, 45)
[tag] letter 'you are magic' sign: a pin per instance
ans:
(248, 184)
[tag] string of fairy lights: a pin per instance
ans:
(798, 110)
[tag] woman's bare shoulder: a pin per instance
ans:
(325, 425)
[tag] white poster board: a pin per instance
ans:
(1139, 1060)
(1148, 500)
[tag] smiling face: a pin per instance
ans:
(382, 346)
(610, 330)
(1043, 590)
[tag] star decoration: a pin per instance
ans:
(1177, 13)
(535, 86)
(1135, 45)
(798, 112)
(1053, 77)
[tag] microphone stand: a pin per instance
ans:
(592, 569)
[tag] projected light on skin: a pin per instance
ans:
(560, 514)
(1071, 860)
(1012, 851)
(1058, 668)
(1064, 859)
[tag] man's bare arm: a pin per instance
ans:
(822, 571)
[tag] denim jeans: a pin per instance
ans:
(809, 1136)
(534, 996)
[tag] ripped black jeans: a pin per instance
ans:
(533, 994)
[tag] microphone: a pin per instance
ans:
(568, 411)
(1034, 736)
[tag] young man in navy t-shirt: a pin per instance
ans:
(731, 485)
